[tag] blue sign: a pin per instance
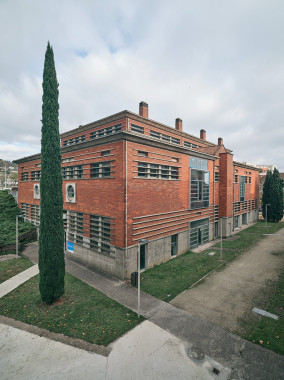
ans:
(70, 247)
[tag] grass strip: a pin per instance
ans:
(266, 331)
(167, 280)
(83, 312)
(10, 268)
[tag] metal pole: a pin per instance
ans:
(17, 238)
(138, 255)
(221, 251)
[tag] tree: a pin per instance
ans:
(272, 195)
(51, 238)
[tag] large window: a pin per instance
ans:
(199, 190)
(242, 187)
(198, 163)
(148, 170)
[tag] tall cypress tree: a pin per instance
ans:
(51, 238)
(272, 195)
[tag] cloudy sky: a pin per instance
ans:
(216, 64)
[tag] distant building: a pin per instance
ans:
(127, 178)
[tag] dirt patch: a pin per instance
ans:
(225, 297)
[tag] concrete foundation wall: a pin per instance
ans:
(124, 261)
(109, 265)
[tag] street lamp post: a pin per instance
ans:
(141, 241)
(17, 233)
(221, 251)
(268, 204)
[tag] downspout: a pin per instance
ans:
(125, 253)
(234, 198)
(214, 201)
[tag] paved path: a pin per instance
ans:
(13, 282)
(171, 336)
(225, 296)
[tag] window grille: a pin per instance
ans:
(150, 170)
(100, 169)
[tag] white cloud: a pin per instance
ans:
(217, 67)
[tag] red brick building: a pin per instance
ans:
(126, 177)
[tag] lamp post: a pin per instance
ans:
(221, 250)
(17, 233)
(141, 241)
(268, 204)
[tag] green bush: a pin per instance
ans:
(8, 212)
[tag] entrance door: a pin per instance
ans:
(199, 232)
(142, 256)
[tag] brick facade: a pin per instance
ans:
(127, 177)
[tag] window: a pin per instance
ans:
(105, 131)
(100, 228)
(72, 172)
(164, 137)
(69, 159)
(249, 179)
(198, 163)
(175, 140)
(71, 192)
(25, 210)
(236, 178)
(236, 221)
(100, 169)
(35, 214)
(36, 175)
(75, 227)
(174, 243)
(74, 140)
(216, 176)
(142, 154)
(174, 159)
(190, 145)
(137, 128)
(149, 170)
(155, 134)
(242, 188)
(199, 189)
(36, 192)
(106, 153)
(25, 176)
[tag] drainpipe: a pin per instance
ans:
(233, 198)
(125, 253)
(214, 200)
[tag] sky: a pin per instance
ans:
(216, 64)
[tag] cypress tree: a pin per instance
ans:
(51, 238)
(266, 195)
(273, 195)
(277, 193)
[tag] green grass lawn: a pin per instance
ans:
(266, 331)
(169, 279)
(83, 312)
(10, 268)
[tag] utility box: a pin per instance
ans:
(134, 278)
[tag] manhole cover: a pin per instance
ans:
(195, 353)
